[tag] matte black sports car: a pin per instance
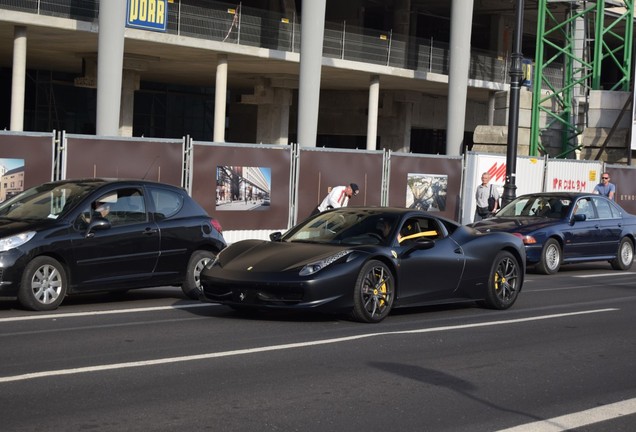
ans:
(365, 261)
(560, 228)
(79, 236)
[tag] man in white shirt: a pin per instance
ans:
(338, 197)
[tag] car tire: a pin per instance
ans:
(504, 282)
(43, 285)
(192, 285)
(373, 293)
(551, 257)
(625, 256)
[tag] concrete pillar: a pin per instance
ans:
(129, 86)
(18, 78)
(501, 28)
(110, 60)
(461, 20)
(220, 97)
(273, 118)
(273, 99)
(312, 32)
(372, 119)
(491, 108)
(401, 17)
(397, 121)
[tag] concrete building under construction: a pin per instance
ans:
(419, 76)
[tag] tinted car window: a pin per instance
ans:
(128, 207)
(616, 211)
(584, 206)
(119, 207)
(167, 202)
(420, 227)
(603, 208)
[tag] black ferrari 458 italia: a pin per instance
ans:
(77, 236)
(366, 261)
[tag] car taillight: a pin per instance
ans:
(217, 226)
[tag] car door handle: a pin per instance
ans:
(150, 231)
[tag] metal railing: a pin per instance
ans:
(234, 23)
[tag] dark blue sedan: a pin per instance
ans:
(561, 228)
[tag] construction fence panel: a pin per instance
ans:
(87, 156)
(568, 175)
(245, 186)
(320, 169)
(426, 182)
(26, 160)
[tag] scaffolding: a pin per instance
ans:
(564, 36)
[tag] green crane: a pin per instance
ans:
(554, 104)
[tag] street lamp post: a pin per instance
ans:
(516, 74)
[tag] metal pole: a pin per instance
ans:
(516, 75)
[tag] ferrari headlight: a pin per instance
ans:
(316, 266)
(8, 243)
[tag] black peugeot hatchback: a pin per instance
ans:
(78, 236)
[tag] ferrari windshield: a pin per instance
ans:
(47, 201)
(553, 206)
(350, 226)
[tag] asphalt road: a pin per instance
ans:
(563, 358)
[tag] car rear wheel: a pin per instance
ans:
(192, 285)
(550, 257)
(373, 293)
(625, 257)
(43, 284)
(504, 282)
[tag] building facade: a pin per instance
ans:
(390, 69)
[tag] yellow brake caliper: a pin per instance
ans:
(382, 289)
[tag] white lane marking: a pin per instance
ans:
(578, 419)
(205, 356)
(106, 312)
(605, 274)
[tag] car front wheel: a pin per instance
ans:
(504, 282)
(192, 285)
(550, 257)
(43, 284)
(373, 293)
(625, 257)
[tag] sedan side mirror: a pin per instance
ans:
(275, 236)
(578, 218)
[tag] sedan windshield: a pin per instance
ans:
(47, 201)
(553, 207)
